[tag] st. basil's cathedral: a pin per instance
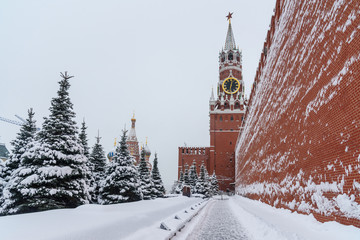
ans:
(134, 147)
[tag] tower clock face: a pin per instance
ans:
(231, 85)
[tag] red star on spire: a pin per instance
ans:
(229, 16)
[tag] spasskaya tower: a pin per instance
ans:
(226, 114)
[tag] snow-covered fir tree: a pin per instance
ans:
(202, 184)
(145, 178)
(98, 163)
(26, 134)
(122, 183)
(208, 185)
(186, 181)
(193, 177)
(180, 183)
(53, 169)
(20, 144)
(181, 177)
(84, 140)
(90, 181)
(214, 184)
(158, 188)
(2, 184)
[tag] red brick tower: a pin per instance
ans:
(132, 141)
(226, 113)
(226, 116)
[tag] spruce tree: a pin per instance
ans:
(207, 184)
(186, 176)
(90, 181)
(158, 189)
(53, 170)
(84, 140)
(122, 183)
(145, 179)
(98, 163)
(203, 185)
(181, 178)
(200, 184)
(20, 145)
(193, 177)
(214, 184)
(26, 134)
(180, 183)
(2, 184)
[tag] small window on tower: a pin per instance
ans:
(230, 56)
(220, 118)
(231, 118)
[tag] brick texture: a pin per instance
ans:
(300, 144)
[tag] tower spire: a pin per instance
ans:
(132, 132)
(132, 141)
(98, 137)
(212, 98)
(230, 40)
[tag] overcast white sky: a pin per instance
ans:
(158, 58)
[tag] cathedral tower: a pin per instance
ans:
(132, 141)
(226, 112)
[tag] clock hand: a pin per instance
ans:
(231, 86)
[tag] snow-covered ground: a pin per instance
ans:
(233, 218)
(96, 222)
(242, 218)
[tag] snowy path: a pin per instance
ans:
(242, 218)
(217, 222)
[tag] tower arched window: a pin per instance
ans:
(220, 119)
(231, 56)
(238, 57)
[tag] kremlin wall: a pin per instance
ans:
(299, 147)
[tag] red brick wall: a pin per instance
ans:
(300, 146)
(188, 154)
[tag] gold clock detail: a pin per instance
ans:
(231, 85)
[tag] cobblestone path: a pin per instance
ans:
(218, 223)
